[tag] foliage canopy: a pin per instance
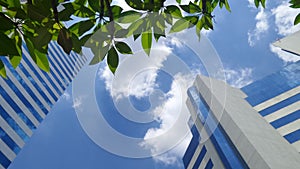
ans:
(35, 23)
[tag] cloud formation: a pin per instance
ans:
(284, 18)
(238, 77)
(284, 23)
(261, 27)
(129, 73)
(173, 116)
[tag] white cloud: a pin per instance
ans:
(251, 4)
(77, 102)
(284, 23)
(239, 77)
(66, 96)
(136, 69)
(285, 56)
(261, 27)
(284, 18)
(173, 116)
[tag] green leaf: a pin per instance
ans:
(83, 11)
(35, 13)
(64, 40)
(65, 14)
(15, 61)
(174, 11)
(178, 1)
(295, 3)
(180, 25)
(76, 44)
(42, 39)
(135, 26)
(227, 6)
(14, 4)
(6, 23)
(38, 57)
(147, 42)
(208, 22)
(190, 8)
(123, 48)
(184, 23)
(128, 17)
(121, 33)
(135, 4)
(168, 18)
(116, 10)
(42, 61)
(263, 3)
(256, 2)
(99, 54)
(2, 69)
(112, 59)
(95, 5)
(297, 19)
(84, 26)
(199, 27)
(7, 46)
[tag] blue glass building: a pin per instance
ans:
(27, 95)
(257, 126)
(277, 99)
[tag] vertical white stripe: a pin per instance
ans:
(283, 112)
(277, 99)
(78, 60)
(25, 94)
(195, 156)
(25, 109)
(29, 84)
(15, 117)
(60, 58)
(59, 81)
(63, 80)
(204, 161)
(7, 151)
(73, 62)
(60, 68)
(289, 128)
(36, 80)
(40, 73)
(11, 133)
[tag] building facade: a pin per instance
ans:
(27, 95)
(277, 99)
(231, 127)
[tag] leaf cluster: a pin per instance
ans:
(99, 25)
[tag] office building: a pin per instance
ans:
(253, 127)
(277, 99)
(289, 43)
(28, 94)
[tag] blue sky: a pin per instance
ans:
(145, 99)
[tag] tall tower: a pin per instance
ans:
(277, 99)
(27, 95)
(231, 127)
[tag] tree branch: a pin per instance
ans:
(54, 7)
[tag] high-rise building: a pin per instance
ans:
(253, 127)
(289, 43)
(277, 99)
(27, 95)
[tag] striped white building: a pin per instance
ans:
(277, 99)
(255, 127)
(28, 94)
